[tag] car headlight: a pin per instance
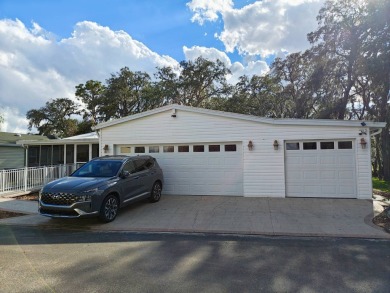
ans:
(91, 191)
(84, 197)
(87, 195)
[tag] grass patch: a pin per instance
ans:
(380, 184)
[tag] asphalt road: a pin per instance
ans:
(48, 260)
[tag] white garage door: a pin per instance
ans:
(320, 169)
(196, 169)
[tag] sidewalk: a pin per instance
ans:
(222, 214)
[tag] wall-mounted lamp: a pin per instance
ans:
(250, 145)
(363, 143)
(363, 131)
(173, 113)
(276, 145)
(105, 148)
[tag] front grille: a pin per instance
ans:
(61, 199)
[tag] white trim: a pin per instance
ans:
(58, 141)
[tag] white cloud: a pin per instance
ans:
(208, 10)
(34, 67)
(251, 67)
(14, 121)
(263, 27)
(207, 53)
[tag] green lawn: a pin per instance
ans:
(380, 184)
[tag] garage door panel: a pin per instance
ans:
(328, 159)
(198, 189)
(310, 175)
(168, 188)
(328, 189)
(346, 190)
(231, 162)
(310, 159)
(296, 188)
(233, 176)
(310, 189)
(216, 162)
(327, 174)
(320, 173)
(346, 174)
(197, 174)
(294, 160)
(182, 188)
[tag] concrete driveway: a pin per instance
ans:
(222, 214)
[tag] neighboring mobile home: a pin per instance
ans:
(12, 155)
(206, 152)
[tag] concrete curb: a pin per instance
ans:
(206, 232)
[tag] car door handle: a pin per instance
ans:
(137, 177)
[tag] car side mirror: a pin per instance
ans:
(125, 174)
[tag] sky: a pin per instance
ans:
(48, 47)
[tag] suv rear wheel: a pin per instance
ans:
(109, 208)
(156, 192)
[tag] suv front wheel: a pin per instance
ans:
(109, 208)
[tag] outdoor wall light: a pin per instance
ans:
(276, 145)
(250, 145)
(105, 148)
(363, 143)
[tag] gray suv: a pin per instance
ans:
(101, 186)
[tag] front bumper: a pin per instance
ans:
(76, 210)
(65, 205)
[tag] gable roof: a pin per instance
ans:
(10, 138)
(89, 135)
(275, 121)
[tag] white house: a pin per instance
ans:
(206, 152)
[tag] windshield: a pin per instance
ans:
(98, 169)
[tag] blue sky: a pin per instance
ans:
(163, 25)
(47, 47)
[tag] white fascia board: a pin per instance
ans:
(58, 141)
(274, 121)
(9, 145)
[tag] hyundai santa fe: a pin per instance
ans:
(101, 186)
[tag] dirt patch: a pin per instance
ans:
(382, 193)
(8, 214)
(32, 197)
(383, 220)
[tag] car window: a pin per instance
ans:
(98, 169)
(129, 167)
(140, 165)
(149, 163)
